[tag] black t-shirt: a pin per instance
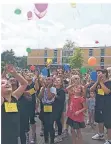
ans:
(99, 103)
(107, 98)
(10, 124)
(60, 98)
(29, 87)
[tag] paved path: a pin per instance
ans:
(87, 134)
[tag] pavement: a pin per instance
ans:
(87, 133)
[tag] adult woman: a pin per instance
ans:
(10, 110)
(32, 88)
(60, 100)
(47, 95)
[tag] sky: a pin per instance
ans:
(84, 25)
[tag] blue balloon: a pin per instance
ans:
(66, 67)
(93, 75)
(44, 72)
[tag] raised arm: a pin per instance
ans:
(23, 83)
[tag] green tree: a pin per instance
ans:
(68, 50)
(21, 62)
(76, 61)
(69, 45)
(8, 57)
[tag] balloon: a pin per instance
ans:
(40, 15)
(92, 61)
(73, 5)
(28, 50)
(66, 67)
(29, 15)
(96, 42)
(93, 75)
(41, 7)
(32, 68)
(49, 61)
(83, 70)
(17, 11)
(44, 72)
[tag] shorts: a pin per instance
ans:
(99, 116)
(75, 125)
(107, 119)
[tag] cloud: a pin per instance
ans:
(54, 38)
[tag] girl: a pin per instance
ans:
(70, 90)
(75, 114)
(47, 115)
(10, 109)
(91, 108)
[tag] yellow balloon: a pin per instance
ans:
(73, 5)
(49, 60)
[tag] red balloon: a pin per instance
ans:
(32, 68)
(29, 15)
(41, 7)
(96, 42)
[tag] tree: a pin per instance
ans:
(69, 45)
(76, 61)
(21, 62)
(68, 50)
(8, 57)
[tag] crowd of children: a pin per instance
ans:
(59, 96)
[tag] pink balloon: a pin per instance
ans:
(41, 7)
(40, 15)
(29, 15)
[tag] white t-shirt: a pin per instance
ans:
(45, 97)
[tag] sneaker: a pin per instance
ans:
(33, 141)
(56, 133)
(41, 133)
(58, 139)
(98, 137)
(107, 142)
(65, 133)
(27, 138)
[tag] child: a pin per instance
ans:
(91, 108)
(75, 114)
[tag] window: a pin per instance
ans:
(90, 52)
(45, 53)
(102, 63)
(102, 52)
(55, 53)
(45, 60)
(102, 59)
(54, 60)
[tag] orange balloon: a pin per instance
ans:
(92, 61)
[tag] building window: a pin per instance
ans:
(102, 63)
(45, 53)
(90, 52)
(55, 53)
(102, 52)
(55, 61)
(102, 59)
(45, 60)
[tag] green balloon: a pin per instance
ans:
(17, 11)
(28, 50)
(83, 70)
